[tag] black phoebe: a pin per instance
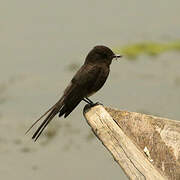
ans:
(88, 80)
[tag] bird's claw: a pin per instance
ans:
(95, 104)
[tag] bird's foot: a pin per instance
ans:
(91, 103)
(97, 103)
(94, 104)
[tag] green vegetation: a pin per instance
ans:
(149, 48)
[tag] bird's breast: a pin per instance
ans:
(99, 81)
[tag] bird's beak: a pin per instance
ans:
(116, 56)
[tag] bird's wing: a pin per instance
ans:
(73, 94)
(84, 79)
(79, 88)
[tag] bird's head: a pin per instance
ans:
(101, 54)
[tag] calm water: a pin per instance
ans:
(39, 41)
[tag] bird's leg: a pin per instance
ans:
(87, 100)
(94, 104)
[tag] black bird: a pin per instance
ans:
(88, 80)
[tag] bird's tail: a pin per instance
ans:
(52, 112)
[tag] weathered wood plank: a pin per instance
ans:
(146, 147)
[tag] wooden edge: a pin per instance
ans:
(131, 159)
(157, 137)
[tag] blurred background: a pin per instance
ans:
(42, 45)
